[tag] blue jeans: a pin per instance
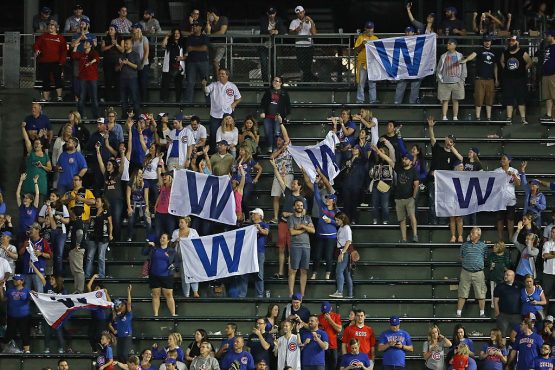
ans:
(196, 71)
(414, 91)
(138, 210)
(272, 130)
(89, 88)
(203, 227)
(116, 208)
(92, 247)
(48, 331)
(259, 276)
(325, 247)
(214, 124)
(58, 241)
(372, 92)
(143, 82)
(343, 274)
(380, 202)
(129, 89)
(32, 282)
(163, 223)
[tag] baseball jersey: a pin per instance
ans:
(541, 363)
(221, 98)
(394, 356)
(364, 335)
(528, 347)
(289, 352)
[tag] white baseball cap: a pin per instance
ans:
(258, 211)
(299, 9)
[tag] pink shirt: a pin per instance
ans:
(238, 200)
(163, 200)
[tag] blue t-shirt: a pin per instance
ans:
(350, 359)
(541, 363)
(394, 356)
(104, 356)
(137, 152)
(19, 302)
(37, 124)
(303, 313)
(247, 167)
(99, 314)
(71, 164)
(549, 61)
(493, 362)
(258, 353)
(229, 349)
(2, 208)
(242, 360)
(160, 261)
(40, 245)
(312, 354)
(528, 347)
(261, 239)
(347, 139)
(123, 324)
(526, 298)
(27, 216)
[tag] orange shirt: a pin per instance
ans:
(365, 336)
(330, 331)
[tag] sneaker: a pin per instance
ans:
(129, 239)
(313, 276)
(43, 100)
(385, 222)
(60, 99)
(415, 239)
(278, 276)
(523, 121)
(270, 150)
(483, 316)
(364, 204)
(47, 350)
(545, 117)
(60, 351)
(458, 315)
(455, 118)
(336, 295)
(374, 222)
(349, 296)
(445, 118)
(402, 241)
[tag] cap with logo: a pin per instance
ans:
(487, 37)
(408, 156)
(297, 297)
(394, 320)
(299, 9)
(369, 25)
(18, 277)
(548, 318)
(475, 150)
(410, 29)
(258, 211)
(513, 37)
(170, 360)
(100, 120)
(326, 307)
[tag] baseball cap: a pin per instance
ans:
(170, 360)
(35, 225)
(297, 297)
(409, 29)
(369, 25)
(178, 117)
(162, 114)
(143, 117)
(456, 163)
(549, 318)
(408, 156)
(529, 316)
(452, 41)
(258, 211)
(7, 233)
(118, 302)
(271, 10)
(85, 19)
(451, 9)
(137, 25)
(262, 361)
(100, 120)
(196, 23)
(18, 277)
(509, 157)
(299, 9)
(168, 173)
(332, 197)
(78, 6)
(394, 321)
(475, 150)
(45, 10)
(535, 182)
(223, 142)
(452, 137)
(149, 11)
(326, 307)
(432, 15)
(487, 37)
(513, 37)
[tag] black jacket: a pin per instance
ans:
(284, 104)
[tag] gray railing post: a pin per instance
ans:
(11, 62)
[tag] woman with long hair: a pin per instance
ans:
(228, 132)
(112, 48)
(173, 64)
(238, 186)
(54, 217)
(494, 353)
(79, 130)
(275, 106)
(113, 191)
(37, 163)
(528, 249)
(51, 52)
(248, 136)
(472, 163)
(356, 175)
(174, 343)
(460, 336)
(153, 167)
(100, 234)
(193, 350)
(368, 122)
(141, 47)
(532, 298)
(160, 274)
(66, 133)
(382, 180)
(326, 231)
(137, 203)
(343, 269)
(182, 233)
(272, 317)
(249, 165)
(434, 349)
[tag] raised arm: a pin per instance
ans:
(278, 176)
(37, 192)
(100, 160)
(431, 124)
(18, 190)
(28, 144)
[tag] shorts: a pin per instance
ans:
(514, 90)
(450, 91)
(164, 282)
(484, 92)
(404, 208)
(299, 258)
(284, 235)
(218, 53)
(475, 279)
(506, 215)
(276, 188)
(548, 87)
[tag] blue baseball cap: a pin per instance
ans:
(369, 25)
(7, 233)
(45, 10)
(118, 302)
(18, 277)
(409, 29)
(456, 163)
(137, 25)
(326, 307)
(394, 321)
(475, 150)
(509, 157)
(170, 360)
(535, 182)
(408, 155)
(297, 297)
(332, 197)
(179, 117)
(85, 19)
(487, 37)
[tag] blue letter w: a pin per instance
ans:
(325, 152)
(401, 46)
(218, 242)
(473, 185)
(212, 183)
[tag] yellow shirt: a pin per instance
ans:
(86, 208)
(361, 57)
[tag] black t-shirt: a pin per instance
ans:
(441, 159)
(405, 182)
(99, 227)
(485, 62)
(472, 166)
(198, 56)
(288, 204)
(515, 65)
(509, 297)
(452, 24)
(257, 351)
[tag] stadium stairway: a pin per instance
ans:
(417, 281)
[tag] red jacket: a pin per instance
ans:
(52, 48)
(90, 72)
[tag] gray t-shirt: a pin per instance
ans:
(126, 71)
(301, 240)
(436, 360)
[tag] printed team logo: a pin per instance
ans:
(98, 294)
(229, 92)
(513, 64)
(100, 360)
(71, 160)
(184, 139)
(354, 363)
(436, 356)
(292, 347)
(244, 360)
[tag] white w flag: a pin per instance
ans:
(460, 193)
(220, 255)
(401, 58)
(321, 155)
(209, 197)
(57, 307)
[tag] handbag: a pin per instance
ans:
(146, 268)
(383, 187)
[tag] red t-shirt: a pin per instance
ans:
(365, 336)
(460, 362)
(330, 331)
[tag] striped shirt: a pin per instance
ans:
(473, 255)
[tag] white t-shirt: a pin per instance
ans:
(344, 233)
(180, 366)
(509, 189)
(64, 214)
(305, 31)
(192, 234)
(150, 171)
(232, 137)
(4, 267)
(549, 265)
(200, 133)
(547, 231)
(221, 97)
(289, 351)
(4, 255)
